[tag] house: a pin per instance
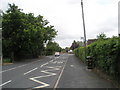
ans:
(90, 41)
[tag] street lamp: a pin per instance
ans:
(84, 28)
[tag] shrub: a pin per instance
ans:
(106, 53)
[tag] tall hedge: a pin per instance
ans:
(80, 52)
(106, 53)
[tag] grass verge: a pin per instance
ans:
(7, 60)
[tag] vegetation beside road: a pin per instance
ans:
(7, 60)
(52, 47)
(106, 53)
(24, 35)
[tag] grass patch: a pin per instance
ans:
(7, 60)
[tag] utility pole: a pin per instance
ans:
(84, 28)
(1, 60)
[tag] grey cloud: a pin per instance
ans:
(109, 25)
(64, 37)
(119, 17)
(104, 2)
(74, 1)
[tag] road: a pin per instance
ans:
(65, 71)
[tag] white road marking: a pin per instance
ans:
(46, 72)
(44, 64)
(30, 71)
(18, 66)
(60, 62)
(57, 62)
(72, 65)
(44, 84)
(13, 68)
(54, 67)
(56, 84)
(5, 83)
(51, 61)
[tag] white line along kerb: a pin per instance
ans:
(5, 83)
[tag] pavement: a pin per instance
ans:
(65, 71)
(76, 75)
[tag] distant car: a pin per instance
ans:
(70, 51)
(57, 54)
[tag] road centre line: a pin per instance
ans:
(56, 84)
(30, 71)
(13, 68)
(17, 67)
(5, 83)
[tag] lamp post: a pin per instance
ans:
(84, 27)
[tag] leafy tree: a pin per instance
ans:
(52, 47)
(50, 33)
(24, 34)
(67, 49)
(80, 43)
(101, 36)
(12, 26)
(74, 45)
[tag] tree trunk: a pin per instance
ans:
(12, 56)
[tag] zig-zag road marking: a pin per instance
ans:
(57, 62)
(42, 86)
(46, 72)
(44, 64)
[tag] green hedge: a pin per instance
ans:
(106, 54)
(80, 52)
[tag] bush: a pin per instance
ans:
(80, 52)
(106, 53)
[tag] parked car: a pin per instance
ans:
(57, 54)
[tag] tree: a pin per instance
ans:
(52, 47)
(74, 45)
(101, 36)
(81, 43)
(12, 30)
(67, 49)
(24, 34)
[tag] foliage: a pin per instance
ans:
(106, 53)
(52, 47)
(74, 45)
(7, 60)
(80, 52)
(24, 34)
(67, 49)
(101, 36)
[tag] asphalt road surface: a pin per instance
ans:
(65, 71)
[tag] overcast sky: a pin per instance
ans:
(66, 16)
